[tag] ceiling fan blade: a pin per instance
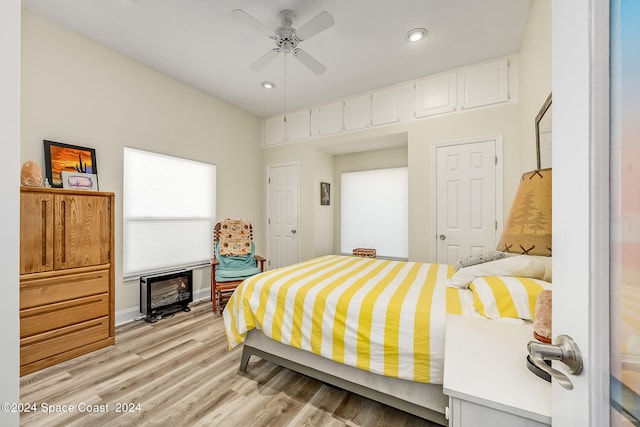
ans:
(319, 23)
(264, 59)
(243, 16)
(309, 61)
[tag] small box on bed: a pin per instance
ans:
(364, 252)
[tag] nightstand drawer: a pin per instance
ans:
(469, 414)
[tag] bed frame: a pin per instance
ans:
(421, 399)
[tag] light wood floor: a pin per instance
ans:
(179, 372)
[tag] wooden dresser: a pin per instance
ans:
(66, 275)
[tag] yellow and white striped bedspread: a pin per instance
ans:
(387, 317)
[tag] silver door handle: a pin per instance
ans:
(294, 231)
(566, 351)
(442, 237)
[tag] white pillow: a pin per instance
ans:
(521, 266)
(547, 261)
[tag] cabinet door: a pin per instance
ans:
(36, 232)
(385, 106)
(330, 118)
(484, 84)
(274, 130)
(298, 125)
(357, 112)
(82, 233)
(436, 95)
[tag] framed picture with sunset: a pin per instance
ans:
(60, 157)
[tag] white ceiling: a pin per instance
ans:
(198, 42)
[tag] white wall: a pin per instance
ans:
(82, 93)
(10, 205)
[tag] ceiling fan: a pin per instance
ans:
(287, 38)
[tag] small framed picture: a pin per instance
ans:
(79, 181)
(59, 157)
(325, 193)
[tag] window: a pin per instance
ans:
(168, 211)
(375, 211)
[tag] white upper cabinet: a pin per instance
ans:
(386, 105)
(474, 86)
(298, 125)
(274, 130)
(357, 112)
(436, 95)
(483, 84)
(330, 118)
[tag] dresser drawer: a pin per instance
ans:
(43, 288)
(47, 344)
(53, 316)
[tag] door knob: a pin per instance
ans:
(566, 351)
(294, 231)
(442, 237)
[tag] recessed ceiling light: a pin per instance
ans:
(268, 85)
(416, 34)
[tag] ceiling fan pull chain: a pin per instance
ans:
(285, 95)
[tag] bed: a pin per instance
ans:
(371, 326)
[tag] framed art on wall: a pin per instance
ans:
(79, 181)
(59, 157)
(325, 193)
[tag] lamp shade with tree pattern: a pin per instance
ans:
(528, 226)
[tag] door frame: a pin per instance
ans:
(499, 187)
(268, 207)
(580, 87)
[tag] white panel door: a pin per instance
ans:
(465, 200)
(282, 221)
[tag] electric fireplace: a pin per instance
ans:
(161, 295)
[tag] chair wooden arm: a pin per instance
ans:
(260, 261)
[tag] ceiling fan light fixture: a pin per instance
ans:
(268, 85)
(415, 34)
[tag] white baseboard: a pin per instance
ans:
(131, 314)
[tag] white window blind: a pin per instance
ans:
(168, 211)
(375, 211)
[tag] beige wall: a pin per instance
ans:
(535, 77)
(376, 159)
(79, 92)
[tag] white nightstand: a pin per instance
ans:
(486, 377)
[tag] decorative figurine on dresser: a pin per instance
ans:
(66, 274)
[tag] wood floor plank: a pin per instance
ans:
(179, 372)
